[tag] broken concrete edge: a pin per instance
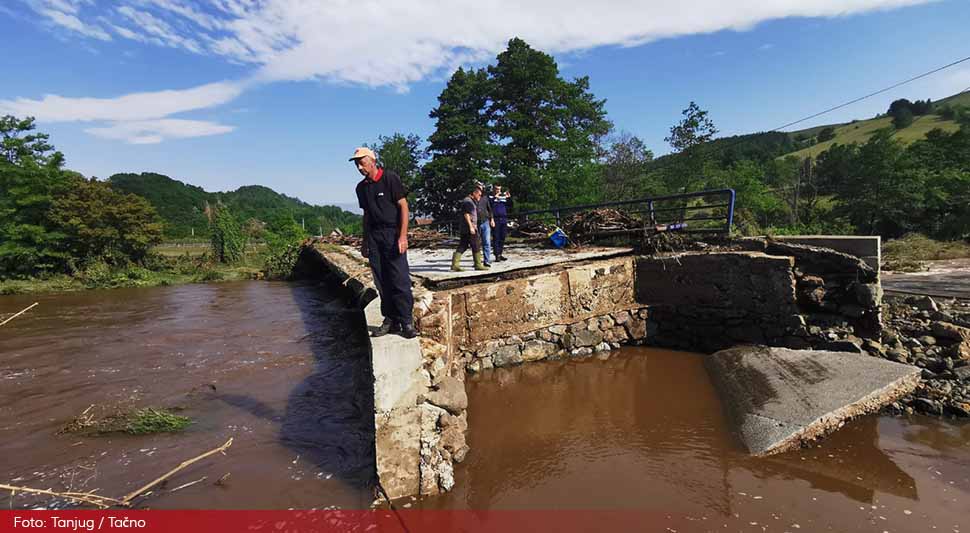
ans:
(776, 399)
(865, 247)
(829, 423)
(411, 442)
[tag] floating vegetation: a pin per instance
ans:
(145, 421)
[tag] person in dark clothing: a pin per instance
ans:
(485, 224)
(469, 231)
(500, 214)
(381, 195)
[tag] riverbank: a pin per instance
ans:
(134, 276)
(168, 265)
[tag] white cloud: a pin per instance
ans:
(394, 44)
(137, 118)
(64, 14)
(155, 131)
(374, 43)
(135, 106)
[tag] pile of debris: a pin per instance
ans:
(417, 238)
(425, 238)
(584, 227)
(531, 229)
(935, 336)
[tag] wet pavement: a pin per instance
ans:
(281, 368)
(644, 431)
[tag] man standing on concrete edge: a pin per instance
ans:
(381, 195)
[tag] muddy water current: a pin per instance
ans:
(282, 368)
(643, 430)
(279, 367)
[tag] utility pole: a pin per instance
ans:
(303, 224)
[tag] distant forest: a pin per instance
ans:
(182, 206)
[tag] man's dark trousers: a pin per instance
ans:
(391, 274)
(498, 235)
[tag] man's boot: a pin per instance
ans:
(408, 331)
(478, 261)
(386, 327)
(456, 263)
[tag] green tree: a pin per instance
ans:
(687, 138)
(30, 179)
(884, 196)
(548, 129)
(100, 223)
(826, 134)
(402, 154)
(225, 235)
(460, 147)
(902, 118)
(625, 169)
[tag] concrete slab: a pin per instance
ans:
(780, 399)
(434, 264)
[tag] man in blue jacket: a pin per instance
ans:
(499, 201)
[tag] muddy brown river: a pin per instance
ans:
(282, 369)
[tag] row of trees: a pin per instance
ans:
(55, 220)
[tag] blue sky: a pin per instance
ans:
(238, 92)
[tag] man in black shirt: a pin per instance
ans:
(381, 195)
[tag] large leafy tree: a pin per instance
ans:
(101, 223)
(548, 129)
(460, 148)
(30, 178)
(625, 168)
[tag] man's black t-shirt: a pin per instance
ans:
(379, 199)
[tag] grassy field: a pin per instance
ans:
(908, 253)
(860, 131)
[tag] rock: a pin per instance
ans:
(912, 343)
(557, 329)
(950, 331)
(460, 454)
(959, 351)
(580, 352)
(487, 363)
(536, 350)
(622, 317)
(962, 373)
(507, 355)
(582, 338)
(925, 303)
(811, 290)
(868, 294)
(602, 347)
(927, 340)
(959, 408)
(636, 329)
(898, 355)
(547, 335)
(928, 406)
(453, 439)
(474, 367)
(875, 347)
(450, 395)
(606, 322)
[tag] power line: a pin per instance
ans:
(723, 147)
(870, 95)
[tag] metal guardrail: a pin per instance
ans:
(685, 213)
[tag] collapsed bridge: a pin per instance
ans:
(550, 303)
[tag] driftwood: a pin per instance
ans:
(29, 307)
(127, 499)
(189, 484)
(84, 497)
(104, 502)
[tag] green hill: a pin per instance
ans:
(859, 131)
(182, 206)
